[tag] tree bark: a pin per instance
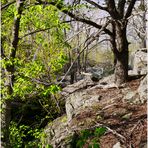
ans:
(121, 68)
(9, 73)
(120, 50)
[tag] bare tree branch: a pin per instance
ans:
(77, 18)
(16, 29)
(121, 5)
(96, 5)
(130, 8)
(111, 8)
(70, 38)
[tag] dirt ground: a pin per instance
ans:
(126, 123)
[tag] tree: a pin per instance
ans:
(119, 13)
(32, 52)
(10, 70)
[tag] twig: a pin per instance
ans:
(134, 127)
(7, 5)
(106, 107)
(20, 120)
(46, 109)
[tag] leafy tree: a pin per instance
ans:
(33, 51)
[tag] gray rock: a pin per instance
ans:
(117, 145)
(143, 145)
(138, 96)
(142, 90)
(107, 80)
(95, 76)
(77, 86)
(140, 62)
(78, 101)
(58, 134)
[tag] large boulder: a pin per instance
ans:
(58, 133)
(90, 105)
(96, 73)
(142, 90)
(77, 101)
(82, 84)
(140, 62)
(138, 96)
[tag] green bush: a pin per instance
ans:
(89, 137)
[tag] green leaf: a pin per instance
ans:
(95, 145)
(49, 146)
(80, 143)
(86, 134)
(100, 131)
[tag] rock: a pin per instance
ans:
(130, 96)
(78, 101)
(95, 77)
(140, 62)
(143, 145)
(132, 72)
(142, 90)
(85, 106)
(107, 80)
(58, 134)
(117, 145)
(95, 73)
(127, 116)
(87, 82)
(138, 96)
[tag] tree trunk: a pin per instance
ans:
(9, 73)
(120, 49)
(121, 68)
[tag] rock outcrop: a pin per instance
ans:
(138, 96)
(59, 133)
(138, 62)
(78, 101)
(90, 105)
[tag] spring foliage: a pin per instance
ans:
(40, 56)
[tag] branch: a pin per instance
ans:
(7, 5)
(111, 8)
(40, 30)
(121, 5)
(40, 82)
(70, 38)
(17, 19)
(96, 5)
(2, 52)
(130, 8)
(77, 18)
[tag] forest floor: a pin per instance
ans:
(126, 122)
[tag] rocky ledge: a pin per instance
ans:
(121, 110)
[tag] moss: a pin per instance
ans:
(50, 123)
(64, 119)
(96, 107)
